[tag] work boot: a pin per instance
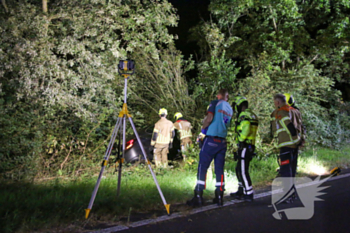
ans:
(238, 195)
(197, 200)
(248, 198)
(219, 197)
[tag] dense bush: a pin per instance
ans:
(60, 93)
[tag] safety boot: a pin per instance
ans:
(219, 198)
(238, 195)
(248, 198)
(197, 200)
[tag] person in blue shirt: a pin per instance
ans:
(214, 147)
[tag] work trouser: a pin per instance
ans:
(295, 161)
(245, 155)
(286, 164)
(185, 143)
(161, 155)
(213, 148)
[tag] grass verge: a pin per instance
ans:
(58, 205)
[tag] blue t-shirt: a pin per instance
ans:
(222, 112)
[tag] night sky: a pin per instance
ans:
(190, 12)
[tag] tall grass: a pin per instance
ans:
(60, 203)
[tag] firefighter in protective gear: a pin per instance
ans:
(184, 128)
(162, 139)
(300, 130)
(214, 147)
(284, 128)
(246, 127)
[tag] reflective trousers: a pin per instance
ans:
(161, 155)
(213, 148)
(242, 169)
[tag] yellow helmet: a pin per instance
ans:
(163, 111)
(178, 115)
(289, 99)
(237, 101)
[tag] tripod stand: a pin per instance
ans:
(124, 67)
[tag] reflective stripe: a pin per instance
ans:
(249, 192)
(285, 118)
(245, 181)
(163, 139)
(280, 130)
(217, 184)
(288, 143)
(287, 131)
(185, 133)
(201, 182)
(199, 175)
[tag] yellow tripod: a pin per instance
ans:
(125, 68)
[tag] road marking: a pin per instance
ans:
(199, 210)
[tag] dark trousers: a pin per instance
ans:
(295, 161)
(286, 165)
(242, 170)
(213, 148)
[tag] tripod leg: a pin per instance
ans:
(167, 206)
(104, 163)
(121, 160)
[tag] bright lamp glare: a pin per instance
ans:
(318, 169)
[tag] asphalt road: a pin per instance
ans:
(330, 215)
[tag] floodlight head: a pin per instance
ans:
(126, 67)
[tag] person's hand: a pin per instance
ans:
(170, 145)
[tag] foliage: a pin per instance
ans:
(59, 87)
(281, 46)
(161, 83)
(60, 91)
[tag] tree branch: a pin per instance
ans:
(5, 6)
(273, 18)
(45, 6)
(313, 59)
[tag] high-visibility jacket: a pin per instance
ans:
(246, 127)
(284, 126)
(184, 127)
(163, 132)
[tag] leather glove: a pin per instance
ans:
(170, 145)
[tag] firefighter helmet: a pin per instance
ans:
(163, 111)
(177, 116)
(289, 99)
(237, 101)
